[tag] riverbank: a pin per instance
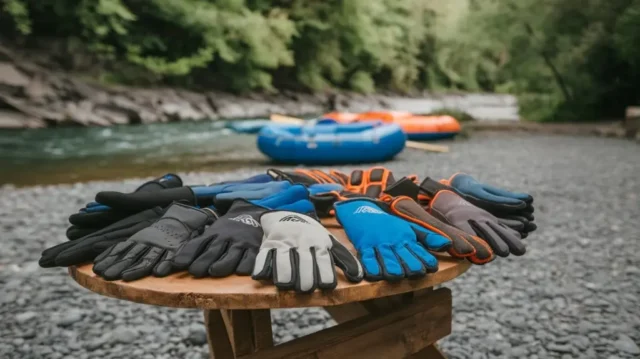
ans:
(34, 97)
(572, 295)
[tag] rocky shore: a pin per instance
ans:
(574, 294)
(33, 96)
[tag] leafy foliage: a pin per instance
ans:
(565, 59)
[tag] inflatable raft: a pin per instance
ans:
(328, 142)
(416, 127)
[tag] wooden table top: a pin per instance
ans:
(182, 290)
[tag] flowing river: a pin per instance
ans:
(76, 154)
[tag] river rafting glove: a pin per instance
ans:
(231, 244)
(463, 245)
(371, 182)
(220, 195)
(85, 249)
(151, 250)
(389, 247)
(513, 208)
(298, 253)
(96, 216)
(449, 207)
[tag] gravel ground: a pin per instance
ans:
(575, 294)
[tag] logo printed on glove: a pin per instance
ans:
(246, 219)
(293, 218)
(367, 209)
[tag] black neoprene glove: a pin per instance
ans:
(85, 249)
(151, 250)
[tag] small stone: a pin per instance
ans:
(560, 348)
(26, 316)
(580, 341)
(626, 345)
(72, 316)
(197, 335)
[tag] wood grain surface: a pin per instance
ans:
(181, 290)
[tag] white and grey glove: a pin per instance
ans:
(298, 253)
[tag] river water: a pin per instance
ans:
(75, 154)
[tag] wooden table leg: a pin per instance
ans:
(402, 331)
(430, 352)
(236, 333)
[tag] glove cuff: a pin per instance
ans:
(430, 187)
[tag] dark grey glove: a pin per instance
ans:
(151, 250)
(453, 209)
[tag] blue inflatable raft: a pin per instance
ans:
(327, 142)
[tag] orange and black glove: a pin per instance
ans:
(463, 244)
(372, 182)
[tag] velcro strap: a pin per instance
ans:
(431, 187)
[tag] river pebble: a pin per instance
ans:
(574, 294)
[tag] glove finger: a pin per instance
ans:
(98, 208)
(165, 265)
(200, 266)
(392, 269)
(263, 267)
(504, 198)
(530, 227)
(510, 237)
(284, 268)
(372, 269)
(413, 267)
(76, 232)
(356, 180)
(515, 224)
(144, 266)
(92, 204)
(306, 279)
(325, 269)
(122, 262)
(247, 262)
(227, 263)
(191, 250)
(109, 256)
(98, 219)
(432, 241)
(485, 232)
(139, 201)
(428, 260)
(349, 265)
(507, 195)
(48, 256)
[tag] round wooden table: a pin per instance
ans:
(376, 320)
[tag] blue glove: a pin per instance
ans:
(295, 199)
(389, 247)
(316, 189)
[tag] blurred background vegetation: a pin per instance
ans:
(566, 60)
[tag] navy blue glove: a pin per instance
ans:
(389, 247)
(231, 244)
